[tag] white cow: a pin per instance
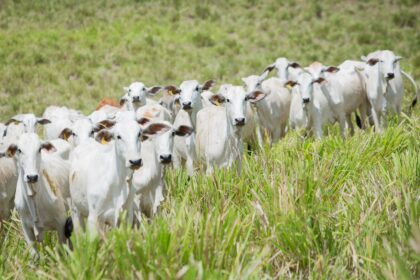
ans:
(8, 170)
(156, 151)
(273, 110)
(346, 93)
(100, 174)
(191, 102)
(251, 133)
(299, 111)
(218, 139)
(38, 198)
(390, 68)
(314, 105)
(135, 96)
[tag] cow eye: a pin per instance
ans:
(173, 133)
(91, 133)
(119, 137)
(227, 100)
(19, 151)
(197, 88)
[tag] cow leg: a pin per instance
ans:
(317, 128)
(282, 131)
(363, 116)
(93, 224)
(259, 136)
(375, 117)
(350, 124)
(342, 122)
(190, 166)
(30, 240)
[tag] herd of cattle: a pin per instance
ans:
(114, 160)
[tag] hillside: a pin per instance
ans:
(329, 209)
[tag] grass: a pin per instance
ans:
(304, 209)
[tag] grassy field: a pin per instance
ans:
(328, 209)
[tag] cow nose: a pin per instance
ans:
(135, 164)
(306, 100)
(166, 158)
(239, 121)
(390, 76)
(186, 105)
(32, 178)
(136, 98)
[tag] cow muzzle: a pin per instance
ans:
(135, 164)
(165, 159)
(32, 179)
(306, 100)
(186, 106)
(239, 121)
(390, 76)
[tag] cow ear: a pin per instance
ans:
(363, 58)
(12, 120)
(289, 84)
(172, 90)
(126, 89)
(270, 68)
(104, 136)
(294, 64)
(398, 58)
(332, 69)
(47, 146)
(372, 61)
(43, 121)
(65, 134)
(155, 129)
(11, 150)
(255, 96)
(154, 90)
(319, 80)
(217, 99)
(143, 121)
(123, 100)
(208, 84)
(184, 130)
(104, 124)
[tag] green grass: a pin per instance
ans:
(328, 209)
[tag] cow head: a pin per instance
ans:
(164, 142)
(305, 83)
(127, 134)
(29, 121)
(27, 152)
(190, 93)
(136, 94)
(80, 130)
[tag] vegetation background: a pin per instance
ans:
(327, 209)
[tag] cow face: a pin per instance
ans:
(127, 135)
(27, 153)
(81, 130)
(390, 64)
(285, 67)
(190, 93)
(136, 94)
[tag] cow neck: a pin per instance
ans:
(193, 114)
(23, 195)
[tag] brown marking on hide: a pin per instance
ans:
(51, 183)
(108, 101)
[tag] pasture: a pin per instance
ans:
(304, 208)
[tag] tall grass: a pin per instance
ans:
(329, 209)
